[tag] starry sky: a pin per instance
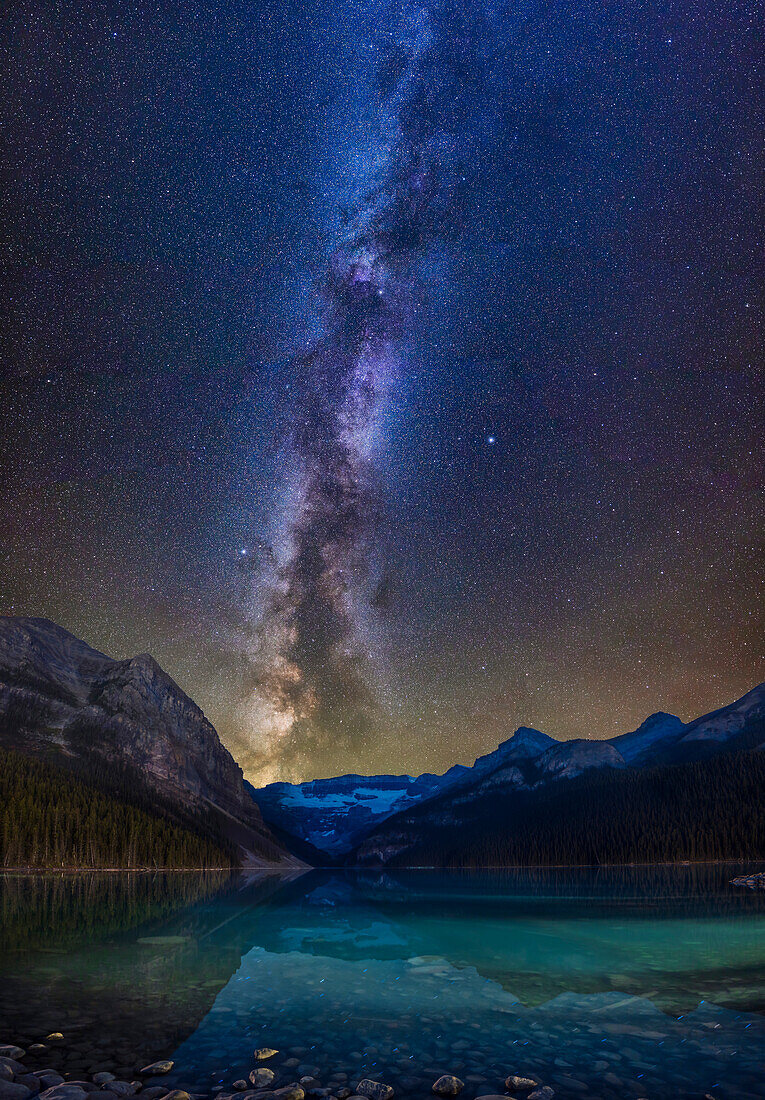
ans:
(390, 372)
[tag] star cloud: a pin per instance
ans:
(311, 686)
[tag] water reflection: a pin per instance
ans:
(644, 976)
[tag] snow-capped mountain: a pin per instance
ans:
(333, 815)
(336, 816)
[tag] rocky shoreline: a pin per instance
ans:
(18, 1081)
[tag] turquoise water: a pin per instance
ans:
(611, 983)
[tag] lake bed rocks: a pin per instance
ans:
(446, 1085)
(374, 1090)
(13, 1090)
(396, 1074)
(259, 1078)
(262, 1053)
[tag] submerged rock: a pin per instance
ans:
(291, 1092)
(519, 1084)
(265, 1052)
(262, 1077)
(10, 1051)
(374, 1090)
(163, 1066)
(447, 1085)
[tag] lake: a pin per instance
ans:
(612, 983)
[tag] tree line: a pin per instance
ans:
(50, 818)
(707, 810)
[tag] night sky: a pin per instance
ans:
(390, 373)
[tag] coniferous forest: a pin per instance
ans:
(50, 817)
(708, 810)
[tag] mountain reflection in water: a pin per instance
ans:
(400, 975)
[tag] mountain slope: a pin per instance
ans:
(64, 701)
(704, 810)
(662, 746)
(52, 819)
(333, 815)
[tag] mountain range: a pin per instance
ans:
(668, 789)
(363, 819)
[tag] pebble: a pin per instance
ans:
(12, 1090)
(10, 1051)
(163, 1066)
(374, 1090)
(447, 1085)
(292, 1092)
(240, 1085)
(265, 1052)
(259, 1078)
(545, 1093)
(102, 1077)
(64, 1092)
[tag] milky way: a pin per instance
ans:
(455, 313)
(312, 684)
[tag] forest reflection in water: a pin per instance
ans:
(131, 966)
